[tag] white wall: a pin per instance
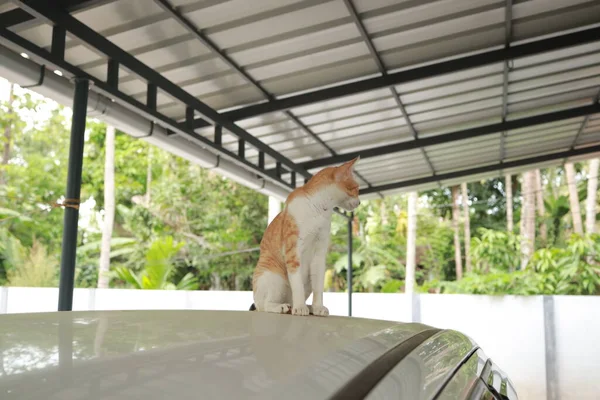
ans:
(577, 346)
(510, 329)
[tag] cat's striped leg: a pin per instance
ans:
(317, 278)
(293, 266)
(299, 306)
(271, 293)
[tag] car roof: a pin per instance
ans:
(187, 354)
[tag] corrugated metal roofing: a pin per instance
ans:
(291, 46)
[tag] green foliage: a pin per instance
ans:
(392, 286)
(556, 209)
(436, 239)
(178, 226)
(573, 270)
(158, 269)
(372, 265)
(212, 215)
(495, 250)
(31, 267)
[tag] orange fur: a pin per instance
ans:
(326, 177)
(278, 248)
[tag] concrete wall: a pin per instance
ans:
(547, 345)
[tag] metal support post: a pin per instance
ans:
(69, 243)
(349, 278)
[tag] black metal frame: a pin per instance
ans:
(71, 202)
(383, 70)
(469, 133)
(87, 35)
(488, 168)
(198, 114)
(350, 267)
(428, 71)
(214, 49)
(584, 123)
(18, 16)
(506, 70)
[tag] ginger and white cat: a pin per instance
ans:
(291, 265)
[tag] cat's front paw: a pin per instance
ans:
(320, 311)
(300, 310)
(284, 308)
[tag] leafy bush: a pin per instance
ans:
(157, 269)
(32, 267)
(495, 250)
(573, 270)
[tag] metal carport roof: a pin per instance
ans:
(425, 91)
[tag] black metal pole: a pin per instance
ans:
(349, 278)
(69, 243)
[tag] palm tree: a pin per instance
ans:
(109, 207)
(457, 255)
(509, 203)
(527, 217)
(465, 204)
(574, 198)
(7, 133)
(411, 243)
(539, 195)
(590, 207)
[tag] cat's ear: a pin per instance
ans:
(348, 165)
(352, 162)
(346, 169)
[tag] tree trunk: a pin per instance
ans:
(552, 178)
(383, 213)
(524, 191)
(7, 135)
(109, 207)
(509, 203)
(457, 256)
(530, 221)
(590, 207)
(149, 177)
(541, 210)
(411, 244)
(574, 198)
(238, 282)
(216, 281)
(465, 204)
(528, 218)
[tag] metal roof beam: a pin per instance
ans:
(105, 46)
(484, 169)
(584, 123)
(383, 70)
(44, 56)
(190, 27)
(455, 136)
(18, 16)
(506, 68)
(428, 71)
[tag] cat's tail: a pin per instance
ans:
(252, 307)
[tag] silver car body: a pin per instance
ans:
(231, 355)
